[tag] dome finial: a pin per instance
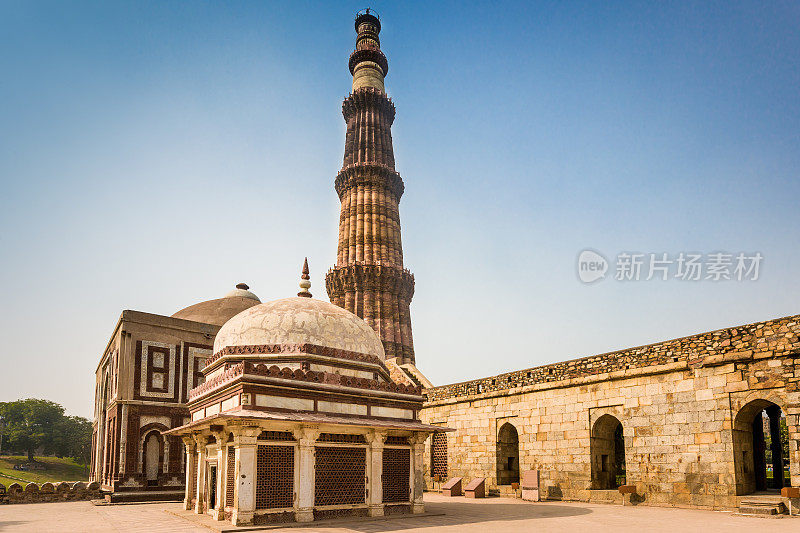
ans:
(305, 284)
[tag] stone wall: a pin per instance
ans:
(679, 403)
(50, 492)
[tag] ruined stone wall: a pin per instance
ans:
(50, 492)
(677, 401)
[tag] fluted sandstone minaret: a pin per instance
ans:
(369, 279)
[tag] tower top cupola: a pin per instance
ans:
(367, 64)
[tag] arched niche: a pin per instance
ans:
(607, 447)
(760, 447)
(507, 455)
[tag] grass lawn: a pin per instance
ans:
(57, 470)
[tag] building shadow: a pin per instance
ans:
(8, 523)
(461, 512)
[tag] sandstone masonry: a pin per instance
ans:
(687, 408)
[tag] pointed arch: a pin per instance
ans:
(152, 452)
(508, 458)
(607, 448)
(760, 446)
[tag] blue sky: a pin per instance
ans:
(153, 154)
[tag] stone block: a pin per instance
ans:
(452, 487)
(15, 491)
(790, 492)
(530, 485)
(476, 488)
(705, 438)
(62, 490)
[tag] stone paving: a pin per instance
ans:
(446, 515)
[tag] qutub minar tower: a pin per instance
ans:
(368, 278)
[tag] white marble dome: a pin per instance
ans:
(300, 321)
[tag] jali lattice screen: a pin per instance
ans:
(396, 472)
(439, 455)
(230, 478)
(340, 475)
(193, 488)
(274, 477)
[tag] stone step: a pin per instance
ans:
(762, 508)
(605, 496)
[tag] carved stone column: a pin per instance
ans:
(375, 472)
(306, 439)
(219, 504)
(417, 471)
(191, 468)
(244, 506)
(200, 489)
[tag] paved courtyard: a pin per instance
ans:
(445, 514)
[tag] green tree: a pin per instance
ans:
(73, 439)
(31, 424)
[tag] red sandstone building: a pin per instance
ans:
(143, 380)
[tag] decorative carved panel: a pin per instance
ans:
(276, 435)
(342, 438)
(156, 371)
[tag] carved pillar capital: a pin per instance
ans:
(376, 438)
(418, 438)
(219, 432)
(306, 436)
(245, 435)
(200, 438)
(189, 443)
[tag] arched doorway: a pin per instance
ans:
(760, 448)
(507, 455)
(152, 457)
(607, 448)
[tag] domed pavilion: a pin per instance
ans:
(299, 419)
